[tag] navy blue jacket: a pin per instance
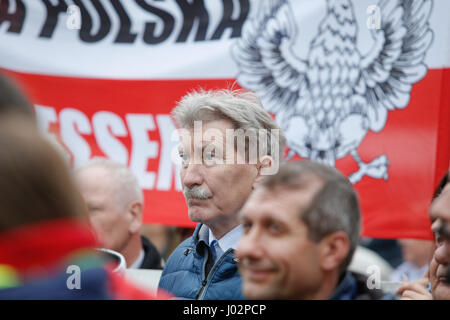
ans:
(94, 285)
(190, 272)
(353, 286)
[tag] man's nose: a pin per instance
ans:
(191, 175)
(249, 246)
(442, 253)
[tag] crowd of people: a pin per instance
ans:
(266, 229)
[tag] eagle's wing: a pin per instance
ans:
(263, 66)
(396, 61)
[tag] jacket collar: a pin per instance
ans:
(201, 236)
(346, 289)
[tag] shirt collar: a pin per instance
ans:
(137, 264)
(229, 240)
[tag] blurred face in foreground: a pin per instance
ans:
(277, 260)
(440, 215)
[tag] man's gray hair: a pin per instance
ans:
(242, 108)
(334, 206)
(126, 186)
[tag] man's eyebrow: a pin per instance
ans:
(272, 218)
(208, 143)
(267, 216)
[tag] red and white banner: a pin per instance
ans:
(360, 86)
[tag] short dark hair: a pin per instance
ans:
(334, 206)
(12, 100)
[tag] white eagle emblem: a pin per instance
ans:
(327, 103)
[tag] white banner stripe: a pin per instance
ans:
(65, 54)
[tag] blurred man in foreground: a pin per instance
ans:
(301, 228)
(116, 204)
(46, 244)
(47, 248)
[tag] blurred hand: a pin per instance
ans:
(415, 290)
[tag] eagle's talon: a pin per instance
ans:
(377, 168)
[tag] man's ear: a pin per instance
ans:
(264, 167)
(135, 214)
(334, 249)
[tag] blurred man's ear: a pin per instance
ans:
(334, 249)
(264, 167)
(135, 214)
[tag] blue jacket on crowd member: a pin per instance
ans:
(191, 273)
(353, 286)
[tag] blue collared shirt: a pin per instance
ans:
(229, 240)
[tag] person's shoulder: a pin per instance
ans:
(152, 257)
(187, 244)
(179, 265)
(190, 242)
(54, 286)
(146, 243)
(363, 291)
(182, 250)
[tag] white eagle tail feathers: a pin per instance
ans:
(328, 102)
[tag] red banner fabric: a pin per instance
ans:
(415, 140)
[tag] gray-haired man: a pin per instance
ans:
(228, 142)
(115, 203)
